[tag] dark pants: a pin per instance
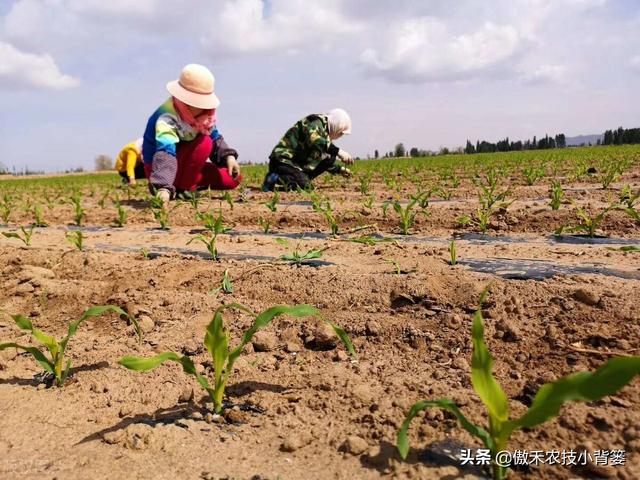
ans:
(292, 178)
(138, 172)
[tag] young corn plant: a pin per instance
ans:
(121, 219)
(327, 212)
(76, 238)
(406, 215)
(227, 198)
(369, 240)
(38, 217)
(533, 173)
(160, 212)
(216, 341)
(225, 285)
(453, 253)
(55, 364)
(629, 201)
(209, 241)
(272, 204)
(6, 206)
(264, 224)
(581, 386)
(25, 237)
(214, 224)
(78, 212)
(296, 257)
(588, 224)
(364, 181)
(557, 195)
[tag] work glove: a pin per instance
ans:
(345, 172)
(132, 181)
(345, 157)
(232, 166)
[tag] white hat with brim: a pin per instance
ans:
(195, 87)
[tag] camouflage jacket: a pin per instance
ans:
(306, 144)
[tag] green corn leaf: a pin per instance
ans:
(48, 341)
(95, 312)
(484, 383)
(581, 386)
(264, 318)
(37, 354)
(142, 364)
(216, 340)
(402, 442)
(342, 335)
(11, 235)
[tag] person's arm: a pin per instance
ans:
(165, 163)
(130, 162)
(222, 155)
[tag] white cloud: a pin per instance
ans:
(545, 74)
(249, 26)
(423, 49)
(22, 69)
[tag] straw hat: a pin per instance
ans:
(195, 87)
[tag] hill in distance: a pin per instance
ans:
(583, 139)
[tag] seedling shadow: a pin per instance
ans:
(162, 416)
(248, 386)
(47, 378)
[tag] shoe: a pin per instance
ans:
(270, 182)
(164, 195)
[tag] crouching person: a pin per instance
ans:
(307, 150)
(183, 150)
(129, 163)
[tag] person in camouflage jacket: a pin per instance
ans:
(306, 150)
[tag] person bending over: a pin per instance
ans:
(129, 162)
(307, 150)
(182, 149)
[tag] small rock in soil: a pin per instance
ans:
(355, 445)
(296, 441)
(265, 341)
(588, 297)
(324, 337)
(146, 323)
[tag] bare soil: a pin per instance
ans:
(301, 408)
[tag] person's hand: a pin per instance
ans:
(345, 172)
(232, 166)
(132, 182)
(345, 157)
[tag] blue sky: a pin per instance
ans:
(79, 78)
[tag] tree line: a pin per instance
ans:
(621, 136)
(505, 145)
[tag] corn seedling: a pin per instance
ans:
(208, 241)
(369, 240)
(227, 198)
(581, 386)
(25, 237)
(453, 253)
(121, 219)
(225, 285)
(407, 215)
(78, 211)
(6, 206)
(272, 204)
(264, 224)
(396, 266)
(328, 214)
(611, 171)
(160, 212)
(144, 252)
(55, 364)
(76, 238)
(589, 224)
(464, 220)
(368, 203)
(533, 173)
(365, 183)
(557, 195)
(628, 201)
(296, 257)
(216, 341)
(38, 217)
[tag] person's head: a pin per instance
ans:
(195, 88)
(339, 123)
(138, 144)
